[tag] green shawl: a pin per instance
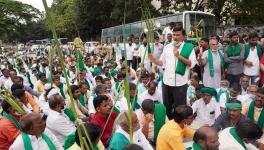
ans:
(260, 121)
(69, 113)
(247, 50)
(211, 61)
(61, 90)
(232, 131)
(159, 118)
(233, 52)
(27, 142)
(69, 140)
(12, 119)
(185, 52)
(87, 83)
(28, 77)
(118, 141)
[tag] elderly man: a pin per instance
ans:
(205, 138)
(152, 93)
(121, 136)
(8, 83)
(58, 123)
(206, 108)
(213, 63)
(34, 135)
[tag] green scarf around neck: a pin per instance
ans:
(247, 50)
(185, 52)
(61, 90)
(69, 114)
(233, 132)
(28, 145)
(28, 77)
(12, 119)
(233, 52)
(82, 100)
(211, 61)
(159, 119)
(251, 109)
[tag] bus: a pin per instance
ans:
(189, 20)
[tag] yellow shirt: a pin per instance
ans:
(39, 87)
(257, 112)
(171, 136)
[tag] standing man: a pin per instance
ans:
(234, 58)
(253, 55)
(213, 63)
(129, 52)
(177, 58)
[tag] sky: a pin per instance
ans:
(36, 3)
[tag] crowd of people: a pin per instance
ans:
(204, 96)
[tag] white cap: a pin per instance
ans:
(53, 92)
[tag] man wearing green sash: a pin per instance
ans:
(213, 63)
(34, 135)
(9, 125)
(239, 137)
(253, 53)
(234, 58)
(255, 112)
(205, 138)
(59, 86)
(177, 59)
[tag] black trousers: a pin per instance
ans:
(135, 62)
(173, 96)
(233, 78)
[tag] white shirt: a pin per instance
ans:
(3, 79)
(228, 142)
(138, 138)
(222, 100)
(206, 113)
(37, 143)
(169, 63)
(129, 51)
(60, 125)
(155, 97)
(91, 105)
(141, 120)
(253, 57)
(142, 49)
(8, 84)
(166, 31)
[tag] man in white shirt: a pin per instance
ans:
(206, 108)
(5, 76)
(167, 30)
(239, 138)
(152, 93)
(143, 49)
(177, 59)
(58, 123)
(34, 132)
(253, 55)
(249, 96)
(8, 83)
(129, 52)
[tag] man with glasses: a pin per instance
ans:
(213, 63)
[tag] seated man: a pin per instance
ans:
(239, 137)
(146, 117)
(205, 109)
(34, 135)
(120, 137)
(205, 138)
(39, 86)
(235, 90)
(224, 86)
(103, 106)
(133, 99)
(231, 118)
(249, 96)
(94, 132)
(152, 93)
(255, 111)
(58, 123)
(9, 125)
(56, 83)
(172, 134)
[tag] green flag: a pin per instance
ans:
(80, 64)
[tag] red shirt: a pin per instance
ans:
(101, 121)
(8, 133)
(262, 73)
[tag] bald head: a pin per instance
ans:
(56, 102)
(207, 137)
(123, 120)
(32, 123)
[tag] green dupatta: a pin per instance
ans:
(28, 145)
(233, 132)
(251, 109)
(211, 61)
(247, 50)
(159, 119)
(185, 52)
(12, 119)
(61, 90)
(233, 52)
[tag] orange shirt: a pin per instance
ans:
(8, 133)
(171, 136)
(32, 102)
